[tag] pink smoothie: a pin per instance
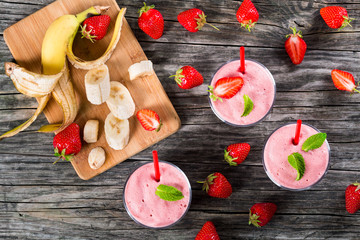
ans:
(259, 85)
(279, 146)
(145, 206)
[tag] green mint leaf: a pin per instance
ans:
(168, 193)
(314, 142)
(296, 160)
(248, 106)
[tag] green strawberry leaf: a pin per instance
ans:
(313, 142)
(168, 193)
(296, 160)
(248, 106)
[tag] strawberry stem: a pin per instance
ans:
(201, 21)
(356, 90)
(346, 22)
(145, 8)
(212, 95)
(178, 76)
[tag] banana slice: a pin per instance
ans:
(97, 85)
(91, 130)
(142, 68)
(96, 157)
(117, 132)
(120, 101)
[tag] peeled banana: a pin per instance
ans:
(96, 157)
(91, 130)
(117, 132)
(142, 68)
(120, 101)
(97, 85)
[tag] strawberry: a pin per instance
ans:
(151, 21)
(226, 88)
(236, 153)
(95, 28)
(247, 15)
(343, 80)
(216, 185)
(193, 20)
(295, 46)
(352, 197)
(261, 213)
(335, 17)
(207, 232)
(67, 143)
(149, 120)
(187, 77)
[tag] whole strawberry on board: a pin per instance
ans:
(67, 143)
(261, 213)
(344, 80)
(193, 20)
(247, 15)
(188, 77)
(236, 153)
(295, 46)
(207, 232)
(149, 120)
(95, 28)
(216, 185)
(352, 197)
(151, 21)
(226, 88)
(336, 17)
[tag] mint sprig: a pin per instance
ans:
(168, 193)
(248, 105)
(313, 142)
(296, 160)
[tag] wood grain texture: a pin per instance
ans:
(42, 201)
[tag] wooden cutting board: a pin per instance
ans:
(24, 40)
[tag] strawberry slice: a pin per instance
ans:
(226, 88)
(343, 80)
(295, 46)
(149, 120)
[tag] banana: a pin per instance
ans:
(117, 132)
(120, 101)
(91, 130)
(97, 84)
(96, 157)
(143, 68)
(82, 64)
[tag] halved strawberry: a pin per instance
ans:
(295, 46)
(226, 88)
(149, 120)
(343, 80)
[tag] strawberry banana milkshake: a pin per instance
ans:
(147, 208)
(258, 85)
(279, 147)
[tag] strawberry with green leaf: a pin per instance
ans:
(67, 143)
(188, 77)
(336, 17)
(236, 153)
(193, 20)
(95, 28)
(151, 21)
(247, 15)
(216, 185)
(352, 197)
(261, 213)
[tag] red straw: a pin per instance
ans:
(242, 59)
(156, 165)
(297, 132)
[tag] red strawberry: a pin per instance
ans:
(95, 28)
(343, 80)
(151, 21)
(226, 88)
(216, 185)
(149, 120)
(236, 153)
(352, 197)
(247, 15)
(193, 20)
(187, 77)
(207, 232)
(67, 143)
(335, 17)
(295, 46)
(261, 213)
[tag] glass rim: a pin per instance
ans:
(295, 189)
(162, 227)
(242, 125)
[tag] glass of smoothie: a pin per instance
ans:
(259, 85)
(145, 207)
(279, 146)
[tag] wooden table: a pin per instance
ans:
(39, 200)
